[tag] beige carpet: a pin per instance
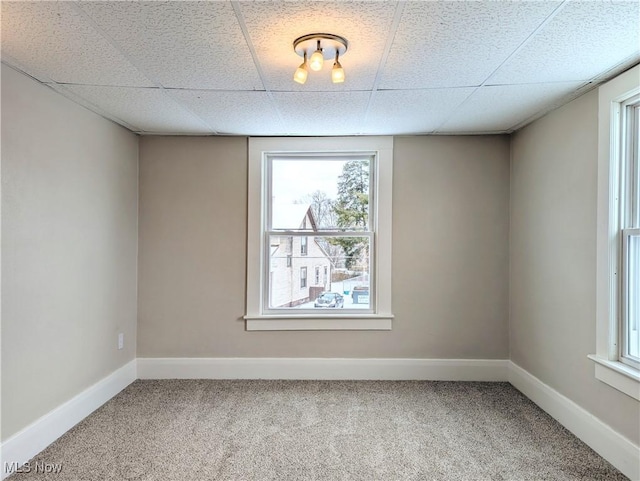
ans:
(320, 430)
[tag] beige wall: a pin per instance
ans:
(553, 260)
(450, 255)
(69, 248)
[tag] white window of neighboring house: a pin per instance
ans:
(618, 256)
(303, 277)
(335, 195)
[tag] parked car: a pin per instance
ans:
(329, 299)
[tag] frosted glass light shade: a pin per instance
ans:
(337, 73)
(316, 61)
(300, 75)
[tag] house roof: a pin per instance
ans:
(291, 216)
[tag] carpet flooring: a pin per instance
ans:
(190, 430)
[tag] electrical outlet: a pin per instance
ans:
(121, 340)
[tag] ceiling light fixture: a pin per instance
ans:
(320, 47)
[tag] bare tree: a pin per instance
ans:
(323, 209)
(324, 212)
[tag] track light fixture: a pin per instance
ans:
(320, 47)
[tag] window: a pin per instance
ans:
(618, 248)
(330, 198)
(303, 278)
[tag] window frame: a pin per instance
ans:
(612, 218)
(260, 150)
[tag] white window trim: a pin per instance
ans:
(258, 149)
(608, 368)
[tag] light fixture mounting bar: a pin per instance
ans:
(330, 43)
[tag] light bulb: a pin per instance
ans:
(316, 61)
(337, 73)
(301, 74)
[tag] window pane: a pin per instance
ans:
(295, 280)
(633, 297)
(317, 195)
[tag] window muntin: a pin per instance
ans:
(330, 195)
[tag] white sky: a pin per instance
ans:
(294, 179)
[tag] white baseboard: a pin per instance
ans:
(609, 444)
(28, 442)
(324, 368)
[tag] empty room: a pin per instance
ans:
(312, 240)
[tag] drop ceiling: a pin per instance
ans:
(226, 67)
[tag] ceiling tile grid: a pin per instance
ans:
(274, 25)
(197, 45)
(234, 113)
(585, 39)
(412, 111)
(65, 90)
(55, 39)
(413, 67)
(499, 108)
(458, 44)
(151, 110)
(322, 113)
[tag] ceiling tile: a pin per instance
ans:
(150, 110)
(454, 44)
(500, 108)
(608, 33)
(322, 113)
(412, 111)
(244, 113)
(197, 45)
(273, 26)
(55, 39)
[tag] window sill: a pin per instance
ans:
(355, 322)
(618, 375)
